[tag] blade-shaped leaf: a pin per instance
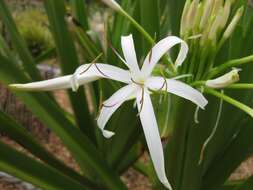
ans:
(18, 133)
(48, 112)
(18, 42)
(30, 170)
(79, 10)
(240, 148)
(69, 63)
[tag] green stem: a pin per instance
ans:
(232, 63)
(138, 27)
(230, 100)
(241, 86)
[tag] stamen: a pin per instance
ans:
(136, 82)
(116, 53)
(109, 106)
(142, 101)
(100, 70)
(164, 84)
(93, 62)
(213, 131)
(150, 55)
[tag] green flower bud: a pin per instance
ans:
(231, 27)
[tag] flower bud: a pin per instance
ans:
(217, 6)
(184, 17)
(113, 4)
(226, 13)
(231, 27)
(225, 80)
(208, 7)
(215, 26)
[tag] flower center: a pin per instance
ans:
(138, 81)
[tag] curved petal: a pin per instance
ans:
(128, 49)
(152, 135)
(84, 74)
(178, 88)
(111, 105)
(160, 49)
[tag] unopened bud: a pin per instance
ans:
(226, 13)
(231, 27)
(215, 26)
(217, 6)
(113, 4)
(191, 16)
(184, 17)
(225, 80)
(208, 7)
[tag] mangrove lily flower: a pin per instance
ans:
(225, 80)
(139, 85)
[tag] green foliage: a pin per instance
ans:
(33, 26)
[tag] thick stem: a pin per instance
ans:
(232, 63)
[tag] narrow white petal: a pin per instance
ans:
(160, 49)
(152, 135)
(111, 105)
(46, 85)
(178, 88)
(128, 49)
(83, 75)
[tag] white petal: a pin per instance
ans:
(160, 49)
(46, 85)
(152, 135)
(92, 73)
(178, 88)
(111, 105)
(128, 49)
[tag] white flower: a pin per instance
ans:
(139, 82)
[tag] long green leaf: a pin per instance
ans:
(30, 170)
(48, 112)
(18, 133)
(240, 148)
(79, 10)
(69, 62)
(150, 20)
(18, 42)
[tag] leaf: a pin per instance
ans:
(17, 132)
(18, 42)
(69, 63)
(32, 171)
(79, 10)
(49, 113)
(150, 20)
(240, 148)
